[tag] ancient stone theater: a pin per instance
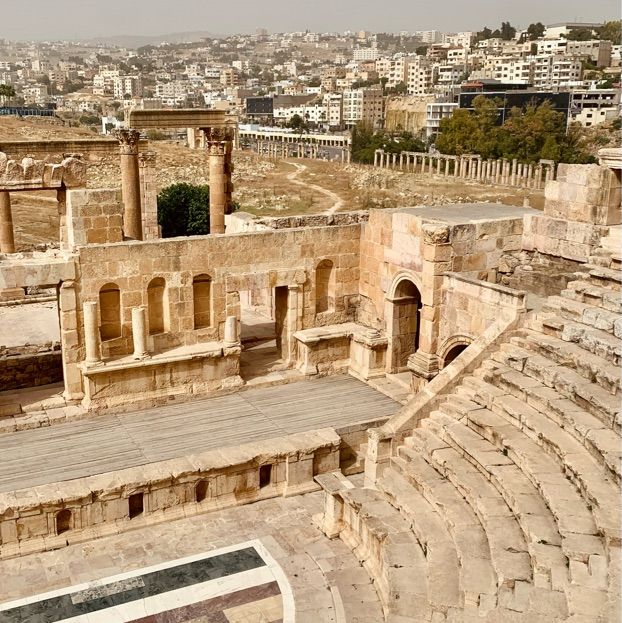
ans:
(399, 415)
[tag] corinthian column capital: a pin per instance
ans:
(128, 140)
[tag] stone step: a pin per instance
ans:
(589, 396)
(598, 438)
(578, 311)
(606, 277)
(558, 492)
(593, 479)
(588, 365)
(521, 530)
(594, 295)
(478, 582)
(444, 569)
(383, 541)
(595, 341)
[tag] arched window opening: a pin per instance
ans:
(200, 491)
(157, 305)
(201, 293)
(453, 352)
(63, 521)
(324, 287)
(110, 312)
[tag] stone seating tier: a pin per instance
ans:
(510, 485)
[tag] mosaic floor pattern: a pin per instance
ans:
(238, 584)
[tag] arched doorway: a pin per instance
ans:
(406, 322)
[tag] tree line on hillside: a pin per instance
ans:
(528, 134)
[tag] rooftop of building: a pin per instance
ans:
(462, 213)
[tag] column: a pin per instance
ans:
(139, 333)
(91, 333)
(231, 330)
(130, 183)
(7, 240)
(148, 195)
(506, 172)
(538, 183)
(375, 158)
(513, 172)
(218, 183)
(438, 165)
(446, 167)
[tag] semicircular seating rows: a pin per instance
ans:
(504, 505)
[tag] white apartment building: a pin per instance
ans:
(128, 85)
(366, 105)
(554, 71)
(429, 36)
(596, 50)
(512, 70)
(593, 106)
(435, 112)
(459, 39)
(420, 76)
(551, 46)
(35, 95)
(334, 104)
(447, 75)
(365, 54)
(457, 56)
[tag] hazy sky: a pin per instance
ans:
(79, 19)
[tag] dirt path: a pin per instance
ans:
(300, 168)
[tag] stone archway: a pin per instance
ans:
(404, 322)
(452, 348)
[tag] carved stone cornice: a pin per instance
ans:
(128, 140)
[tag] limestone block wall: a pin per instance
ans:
(394, 242)
(469, 307)
(52, 516)
(29, 366)
(94, 217)
(232, 263)
(559, 237)
(585, 193)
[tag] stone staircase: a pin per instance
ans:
(504, 505)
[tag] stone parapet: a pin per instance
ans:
(107, 503)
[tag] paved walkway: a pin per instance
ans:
(110, 442)
(326, 580)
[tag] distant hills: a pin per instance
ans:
(137, 41)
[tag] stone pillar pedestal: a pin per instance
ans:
(423, 365)
(130, 183)
(7, 240)
(139, 333)
(91, 333)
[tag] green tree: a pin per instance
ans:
(183, 210)
(6, 92)
(469, 132)
(298, 124)
(535, 31)
(611, 31)
(508, 32)
(365, 142)
(580, 34)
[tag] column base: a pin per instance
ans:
(423, 365)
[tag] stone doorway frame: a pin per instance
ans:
(393, 303)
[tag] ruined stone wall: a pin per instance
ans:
(407, 114)
(393, 242)
(254, 261)
(30, 366)
(469, 307)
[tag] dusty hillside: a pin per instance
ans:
(264, 187)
